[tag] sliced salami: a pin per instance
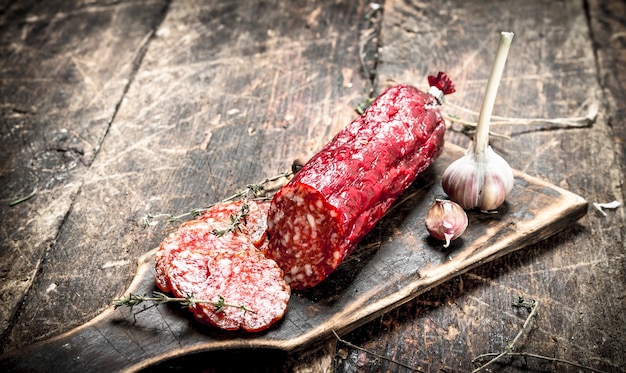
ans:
(246, 290)
(319, 217)
(194, 235)
(256, 222)
(198, 234)
(214, 258)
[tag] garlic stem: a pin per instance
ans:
(481, 138)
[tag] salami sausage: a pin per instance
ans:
(319, 217)
(216, 258)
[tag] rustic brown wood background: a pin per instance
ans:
(111, 110)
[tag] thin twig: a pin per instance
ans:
(495, 356)
(580, 121)
(467, 123)
(374, 353)
(253, 192)
(23, 199)
(371, 17)
(541, 357)
(131, 300)
(509, 347)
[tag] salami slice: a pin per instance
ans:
(215, 258)
(319, 217)
(256, 222)
(199, 234)
(246, 290)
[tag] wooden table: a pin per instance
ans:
(113, 110)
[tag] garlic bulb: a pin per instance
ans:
(478, 180)
(481, 178)
(446, 221)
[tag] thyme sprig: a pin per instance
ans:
(479, 361)
(349, 344)
(363, 105)
(531, 307)
(255, 192)
(23, 199)
(131, 300)
(235, 221)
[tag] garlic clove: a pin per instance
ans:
(497, 181)
(500, 167)
(446, 221)
(460, 183)
(492, 195)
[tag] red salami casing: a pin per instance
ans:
(319, 217)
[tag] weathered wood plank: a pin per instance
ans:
(228, 93)
(64, 68)
(608, 26)
(576, 276)
(212, 81)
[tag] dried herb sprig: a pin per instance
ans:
(23, 199)
(131, 300)
(363, 105)
(235, 221)
(520, 302)
(255, 192)
(399, 363)
(530, 306)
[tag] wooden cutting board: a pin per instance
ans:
(396, 262)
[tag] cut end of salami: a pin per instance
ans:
(310, 229)
(235, 285)
(319, 217)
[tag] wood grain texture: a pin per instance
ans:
(578, 276)
(108, 135)
(64, 68)
(227, 94)
(608, 30)
(392, 266)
